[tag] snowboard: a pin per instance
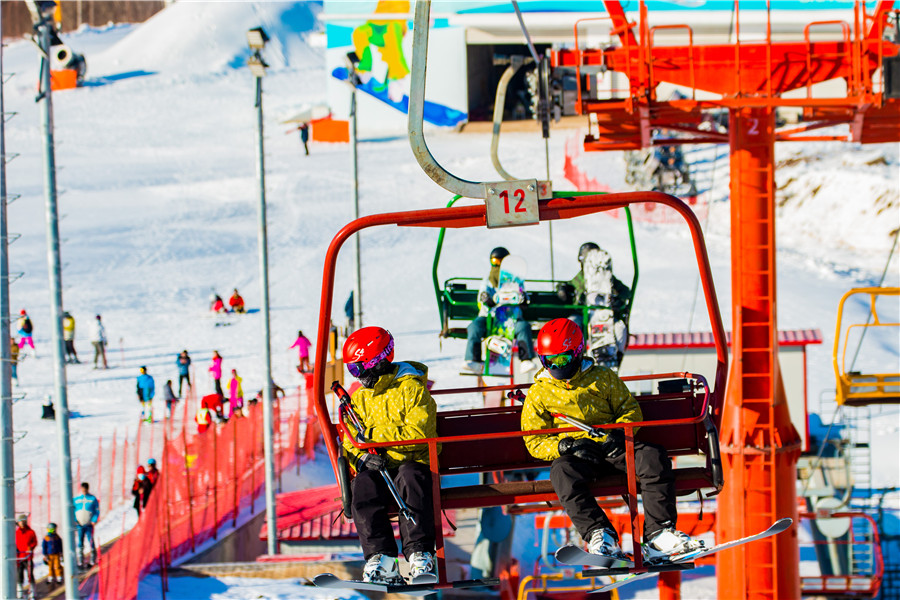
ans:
(598, 292)
(777, 527)
(419, 586)
(500, 343)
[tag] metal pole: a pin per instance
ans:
(7, 468)
(357, 291)
(268, 447)
(66, 506)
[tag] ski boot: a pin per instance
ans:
(604, 542)
(382, 569)
(421, 563)
(669, 544)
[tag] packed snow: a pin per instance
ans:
(157, 171)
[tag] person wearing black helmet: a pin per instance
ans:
(574, 292)
(477, 329)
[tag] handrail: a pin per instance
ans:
(442, 177)
(653, 30)
(845, 29)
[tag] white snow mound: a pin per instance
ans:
(210, 37)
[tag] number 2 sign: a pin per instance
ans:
(511, 203)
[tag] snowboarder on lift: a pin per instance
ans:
(477, 329)
(576, 291)
(393, 404)
(576, 387)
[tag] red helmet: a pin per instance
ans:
(23, 312)
(558, 336)
(369, 345)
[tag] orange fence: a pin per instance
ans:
(207, 482)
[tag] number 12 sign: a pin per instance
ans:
(511, 203)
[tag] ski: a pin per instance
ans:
(777, 527)
(420, 586)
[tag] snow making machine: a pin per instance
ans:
(683, 415)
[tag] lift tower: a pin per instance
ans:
(760, 446)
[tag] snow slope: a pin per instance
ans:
(157, 164)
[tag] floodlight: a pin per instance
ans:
(257, 65)
(257, 38)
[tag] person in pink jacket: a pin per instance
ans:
(235, 395)
(302, 345)
(216, 370)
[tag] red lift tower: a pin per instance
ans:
(760, 446)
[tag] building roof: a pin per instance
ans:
(704, 339)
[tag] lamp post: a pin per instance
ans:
(353, 80)
(42, 16)
(257, 39)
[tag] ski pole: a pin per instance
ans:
(591, 431)
(347, 408)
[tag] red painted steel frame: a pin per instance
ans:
(474, 216)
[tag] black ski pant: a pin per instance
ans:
(372, 500)
(181, 380)
(572, 478)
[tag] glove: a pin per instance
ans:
(614, 445)
(565, 291)
(46, 562)
(487, 299)
(372, 462)
(582, 448)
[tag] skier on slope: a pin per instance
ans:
(87, 513)
(575, 387)
(575, 292)
(216, 304)
(26, 332)
(98, 341)
(477, 329)
(215, 370)
(235, 395)
(169, 397)
(140, 489)
(302, 344)
(236, 302)
(68, 323)
(183, 362)
(145, 391)
(151, 471)
(26, 542)
(393, 404)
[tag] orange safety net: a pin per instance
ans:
(207, 481)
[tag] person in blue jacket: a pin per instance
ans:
(184, 370)
(145, 391)
(87, 513)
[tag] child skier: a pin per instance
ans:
(235, 395)
(145, 392)
(302, 344)
(392, 404)
(575, 387)
(26, 331)
(140, 489)
(151, 471)
(169, 397)
(51, 546)
(215, 369)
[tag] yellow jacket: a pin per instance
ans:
(595, 395)
(398, 408)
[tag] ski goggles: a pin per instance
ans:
(561, 360)
(358, 368)
(496, 261)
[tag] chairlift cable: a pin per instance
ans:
(880, 284)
